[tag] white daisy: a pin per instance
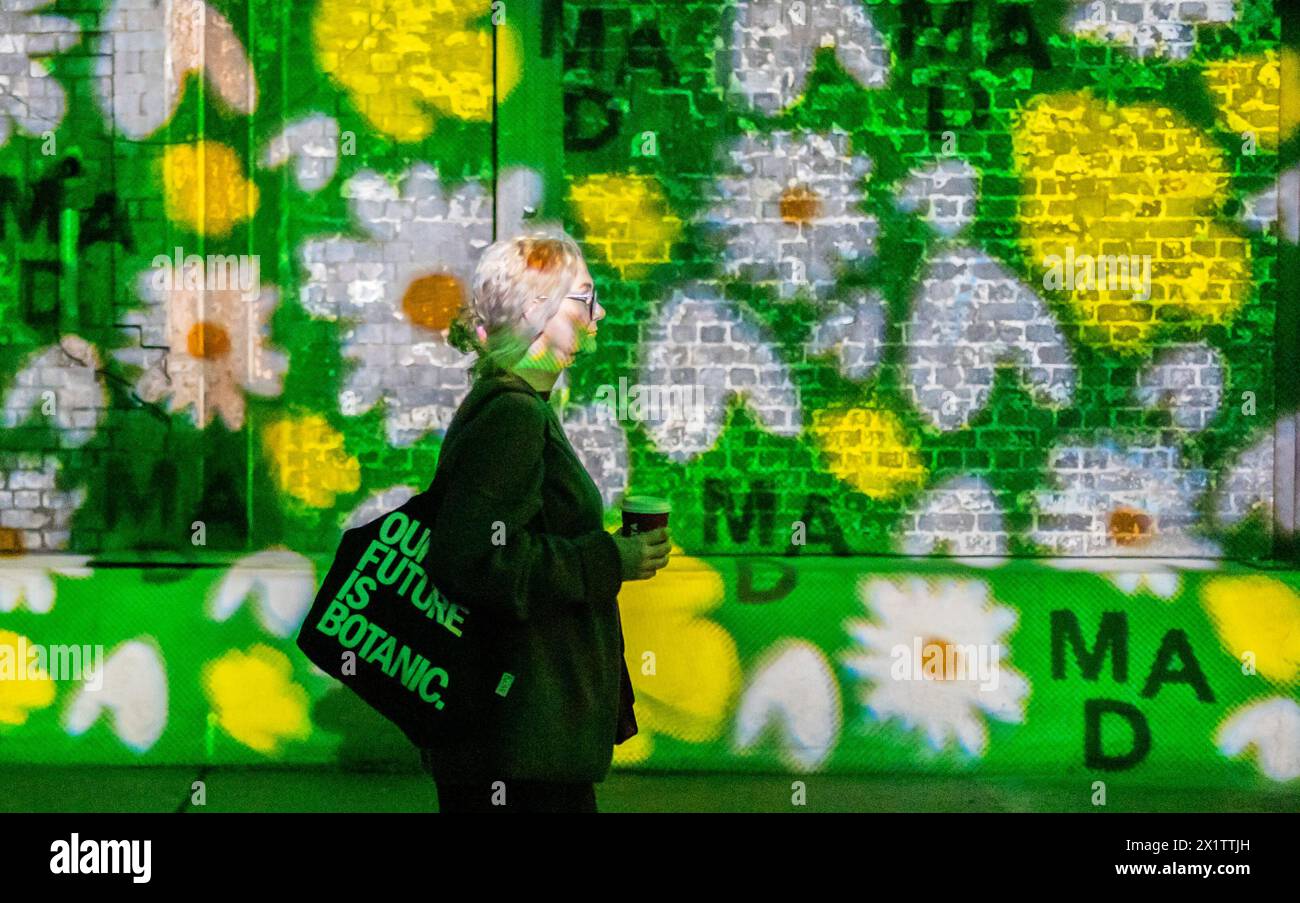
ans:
(957, 617)
(972, 314)
(281, 582)
(943, 193)
(377, 504)
(1188, 381)
(132, 688)
(1113, 500)
(1125, 512)
(399, 289)
(774, 43)
(28, 580)
(1158, 568)
(1149, 27)
(29, 97)
(312, 143)
(790, 210)
(1279, 201)
(699, 342)
(34, 522)
(148, 51)
(1246, 485)
(63, 382)
(794, 690)
(958, 517)
(854, 334)
(1272, 727)
(214, 342)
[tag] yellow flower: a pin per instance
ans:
(1247, 92)
(204, 188)
(1128, 184)
(255, 699)
(627, 218)
(695, 670)
(22, 689)
(308, 460)
(869, 449)
(1260, 616)
(405, 61)
(1289, 72)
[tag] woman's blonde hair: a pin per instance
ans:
(511, 274)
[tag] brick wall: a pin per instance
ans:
(851, 233)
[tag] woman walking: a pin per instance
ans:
(519, 540)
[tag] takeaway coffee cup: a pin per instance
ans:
(644, 513)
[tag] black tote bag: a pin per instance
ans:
(380, 626)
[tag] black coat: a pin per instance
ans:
(519, 540)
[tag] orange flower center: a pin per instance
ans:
(11, 541)
(431, 301)
(800, 205)
(939, 656)
(208, 340)
(1129, 526)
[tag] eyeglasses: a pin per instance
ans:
(589, 300)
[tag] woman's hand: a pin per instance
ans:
(643, 554)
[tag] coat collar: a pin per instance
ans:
(512, 378)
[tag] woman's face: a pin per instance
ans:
(568, 333)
